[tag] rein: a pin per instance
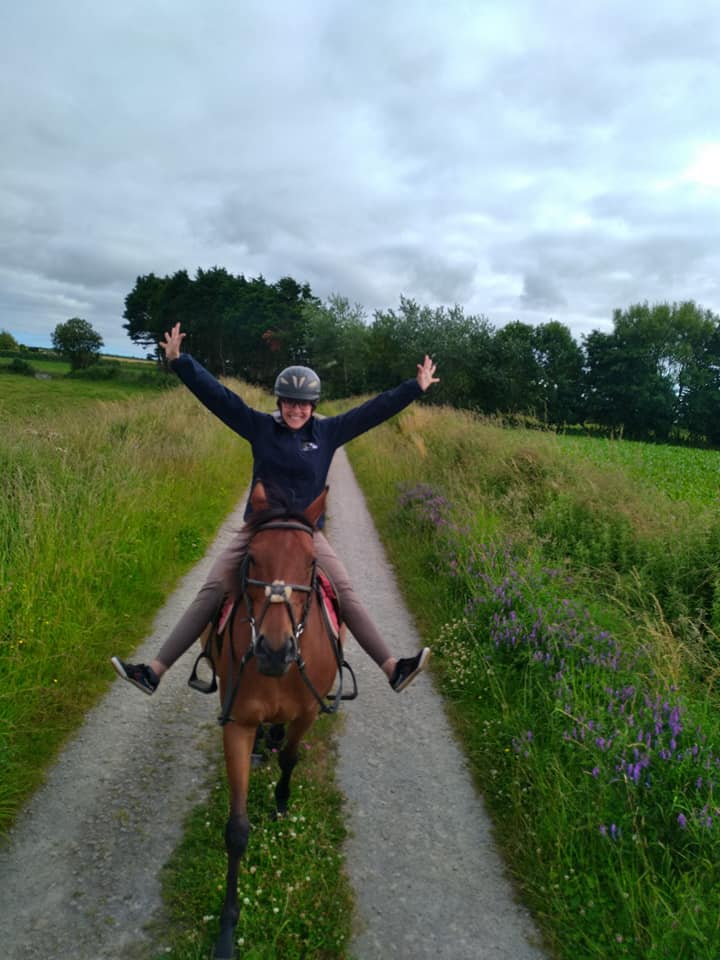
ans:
(277, 591)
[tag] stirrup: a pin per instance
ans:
(338, 694)
(196, 682)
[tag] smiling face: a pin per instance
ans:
(295, 413)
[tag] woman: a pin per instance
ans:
(292, 451)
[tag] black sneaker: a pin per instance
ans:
(408, 668)
(143, 677)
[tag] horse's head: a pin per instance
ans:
(279, 577)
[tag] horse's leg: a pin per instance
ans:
(238, 743)
(275, 736)
(259, 756)
(288, 757)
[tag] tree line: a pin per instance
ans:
(655, 376)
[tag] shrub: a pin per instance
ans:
(19, 366)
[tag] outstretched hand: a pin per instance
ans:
(426, 373)
(172, 343)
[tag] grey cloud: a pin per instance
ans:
(539, 292)
(504, 156)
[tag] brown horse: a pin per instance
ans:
(277, 665)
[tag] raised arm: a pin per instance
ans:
(347, 426)
(224, 403)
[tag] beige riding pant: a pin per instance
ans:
(220, 581)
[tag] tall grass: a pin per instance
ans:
(570, 609)
(101, 512)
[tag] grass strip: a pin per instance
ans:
(296, 902)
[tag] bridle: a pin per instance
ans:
(278, 591)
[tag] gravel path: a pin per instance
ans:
(78, 873)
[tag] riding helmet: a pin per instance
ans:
(298, 383)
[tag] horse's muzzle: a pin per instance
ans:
(274, 663)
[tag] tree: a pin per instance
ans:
(77, 342)
(8, 341)
(519, 374)
(625, 389)
(336, 341)
(460, 345)
(234, 326)
(560, 361)
(143, 311)
(657, 372)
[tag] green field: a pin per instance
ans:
(682, 473)
(570, 589)
(30, 397)
(53, 368)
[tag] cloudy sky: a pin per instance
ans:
(528, 159)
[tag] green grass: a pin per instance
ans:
(55, 368)
(586, 704)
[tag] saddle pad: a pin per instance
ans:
(329, 600)
(225, 611)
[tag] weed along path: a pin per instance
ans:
(79, 872)
(427, 876)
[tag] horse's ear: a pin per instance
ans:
(258, 497)
(317, 507)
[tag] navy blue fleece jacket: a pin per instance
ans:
(295, 461)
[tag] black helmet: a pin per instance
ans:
(298, 383)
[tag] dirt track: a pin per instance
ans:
(79, 875)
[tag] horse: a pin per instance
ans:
(278, 661)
